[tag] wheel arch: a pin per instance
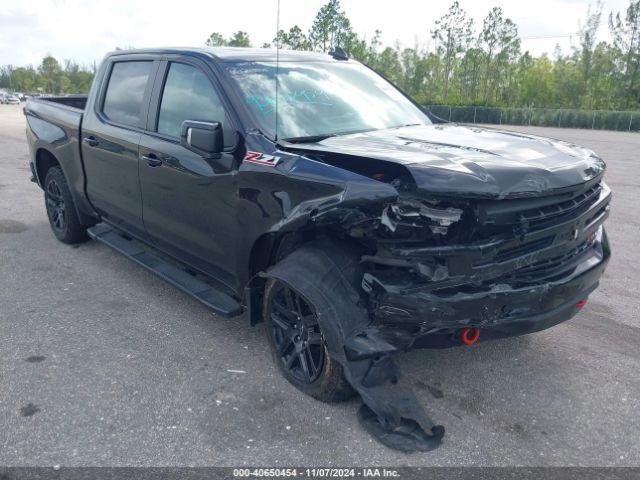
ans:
(44, 160)
(267, 250)
(271, 248)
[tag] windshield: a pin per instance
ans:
(321, 98)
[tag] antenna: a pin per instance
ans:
(338, 54)
(277, 65)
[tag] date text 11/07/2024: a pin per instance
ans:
(316, 472)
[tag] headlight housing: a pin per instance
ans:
(415, 213)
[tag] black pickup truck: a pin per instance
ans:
(306, 191)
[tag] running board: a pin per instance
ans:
(219, 302)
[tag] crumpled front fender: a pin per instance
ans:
(326, 274)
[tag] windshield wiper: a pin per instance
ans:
(309, 138)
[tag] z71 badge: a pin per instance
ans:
(262, 159)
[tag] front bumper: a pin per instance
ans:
(426, 319)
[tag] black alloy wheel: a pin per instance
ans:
(296, 335)
(299, 348)
(56, 207)
(61, 209)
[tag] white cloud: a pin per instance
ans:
(85, 30)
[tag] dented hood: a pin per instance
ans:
(471, 161)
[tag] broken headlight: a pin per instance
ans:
(411, 214)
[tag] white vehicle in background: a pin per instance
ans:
(10, 99)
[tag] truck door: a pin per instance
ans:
(111, 132)
(189, 206)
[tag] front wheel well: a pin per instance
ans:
(44, 161)
(270, 248)
(267, 251)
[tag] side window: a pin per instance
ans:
(125, 92)
(188, 95)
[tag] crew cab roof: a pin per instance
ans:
(236, 54)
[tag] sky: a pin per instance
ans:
(84, 30)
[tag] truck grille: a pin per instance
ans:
(522, 249)
(542, 217)
(541, 232)
(551, 267)
(524, 216)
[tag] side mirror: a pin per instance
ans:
(204, 138)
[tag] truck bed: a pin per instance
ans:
(55, 119)
(74, 101)
(54, 128)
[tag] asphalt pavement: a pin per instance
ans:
(102, 363)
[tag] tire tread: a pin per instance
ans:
(74, 231)
(330, 387)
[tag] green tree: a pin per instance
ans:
(453, 33)
(8, 78)
(49, 70)
(464, 67)
(24, 79)
(501, 45)
(587, 37)
(329, 26)
(216, 40)
(626, 39)
(602, 93)
(294, 39)
(239, 39)
(389, 65)
(535, 80)
(469, 75)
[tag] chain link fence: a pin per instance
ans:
(541, 117)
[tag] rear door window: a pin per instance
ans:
(125, 92)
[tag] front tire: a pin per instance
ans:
(298, 345)
(61, 210)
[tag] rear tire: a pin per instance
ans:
(298, 346)
(61, 210)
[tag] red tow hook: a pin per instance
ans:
(581, 303)
(469, 335)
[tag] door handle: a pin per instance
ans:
(91, 141)
(152, 160)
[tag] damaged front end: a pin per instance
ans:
(427, 271)
(503, 267)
